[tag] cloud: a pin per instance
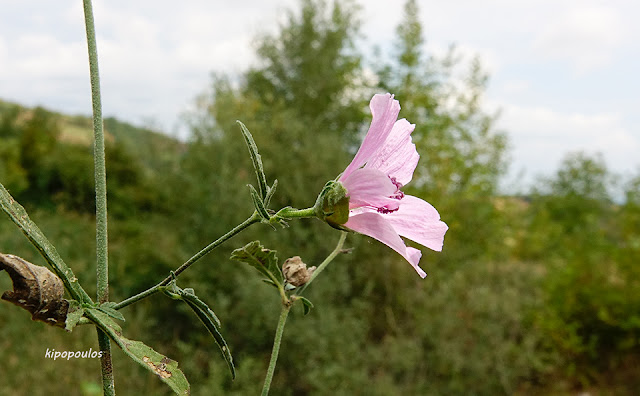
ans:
(588, 37)
(542, 137)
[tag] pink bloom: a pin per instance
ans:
(384, 163)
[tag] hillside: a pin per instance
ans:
(45, 158)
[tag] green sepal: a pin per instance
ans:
(264, 260)
(332, 204)
(166, 369)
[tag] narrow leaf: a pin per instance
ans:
(190, 295)
(20, 217)
(206, 316)
(259, 205)
(211, 322)
(272, 190)
(166, 369)
(256, 159)
(109, 310)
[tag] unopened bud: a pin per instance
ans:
(296, 272)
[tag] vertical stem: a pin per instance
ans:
(276, 348)
(102, 269)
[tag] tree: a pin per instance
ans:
(462, 153)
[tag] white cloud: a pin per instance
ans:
(586, 36)
(542, 136)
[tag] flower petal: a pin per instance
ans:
(397, 157)
(419, 221)
(370, 187)
(375, 226)
(384, 110)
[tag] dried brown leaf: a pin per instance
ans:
(36, 289)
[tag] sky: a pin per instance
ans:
(563, 73)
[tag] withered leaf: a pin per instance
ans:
(35, 289)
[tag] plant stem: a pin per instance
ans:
(99, 159)
(291, 213)
(337, 250)
(254, 218)
(102, 267)
(108, 385)
(286, 307)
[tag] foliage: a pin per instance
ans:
(535, 294)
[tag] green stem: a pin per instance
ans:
(337, 250)
(99, 159)
(291, 213)
(254, 218)
(108, 386)
(276, 348)
(102, 267)
(286, 307)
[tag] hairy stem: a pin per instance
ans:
(286, 307)
(337, 250)
(291, 213)
(254, 218)
(102, 268)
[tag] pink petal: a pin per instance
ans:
(397, 157)
(419, 221)
(384, 110)
(370, 187)
(375, 226)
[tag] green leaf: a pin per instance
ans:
(166, 369)
(272, 190)
(206, 316)
(212, 324)
(259, 205)
(20, 217)
(74, 314)
(109, 310)
(264, 260)
(306, 304)
(256, 159)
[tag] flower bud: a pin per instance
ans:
(296, 272)
(332, 204)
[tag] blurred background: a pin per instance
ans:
(528, 135)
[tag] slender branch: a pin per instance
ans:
(99, 159)
(276, 348)
(254, 218)
(337, 250)
(286, 307)
(102, 267)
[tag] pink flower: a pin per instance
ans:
(384, 163)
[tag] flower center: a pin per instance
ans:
(396, 195)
